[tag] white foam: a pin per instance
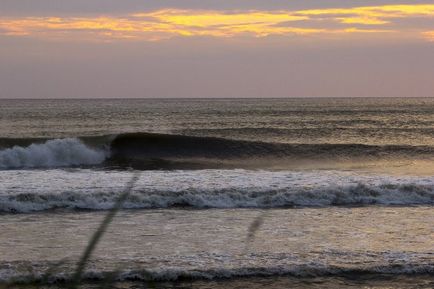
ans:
(208, 266)
(27, 191)
(53, 153)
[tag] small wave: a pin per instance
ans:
(208, 189)
(351, 196)
(53, 153)
(173, 274)
(222, 266)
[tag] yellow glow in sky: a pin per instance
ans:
(169, 23)
(429, 35)
(207, 19)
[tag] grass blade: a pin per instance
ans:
(96, 237)
(254, 227)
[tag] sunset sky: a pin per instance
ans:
(203, 48)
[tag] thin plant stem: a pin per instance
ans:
(96, 237)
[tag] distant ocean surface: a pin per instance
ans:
(341, 191)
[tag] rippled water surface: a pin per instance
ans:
(368, 121)
(277, 193)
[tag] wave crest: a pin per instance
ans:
(149, 151)
(189, 267)
(53, 153)
(235, 197)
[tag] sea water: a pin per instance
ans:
(299, 193)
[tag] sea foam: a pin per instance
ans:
(52, 153)
(224, 266)
(27, 191)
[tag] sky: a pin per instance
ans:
(216, 48)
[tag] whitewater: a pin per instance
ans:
(242, 193)
(52, 153)
(23, 191)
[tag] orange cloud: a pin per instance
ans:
(169, 23)
(205, 19)
(428, 35)
(371, 15)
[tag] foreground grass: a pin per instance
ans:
(110, 279)
(94, 240)
(76, 280)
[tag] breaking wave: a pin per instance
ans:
(53, 153)
(164, 151)
(222, 266)
(179, 146)
(99, 190)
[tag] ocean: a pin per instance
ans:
(230, 193)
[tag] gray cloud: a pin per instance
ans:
(290, 66)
